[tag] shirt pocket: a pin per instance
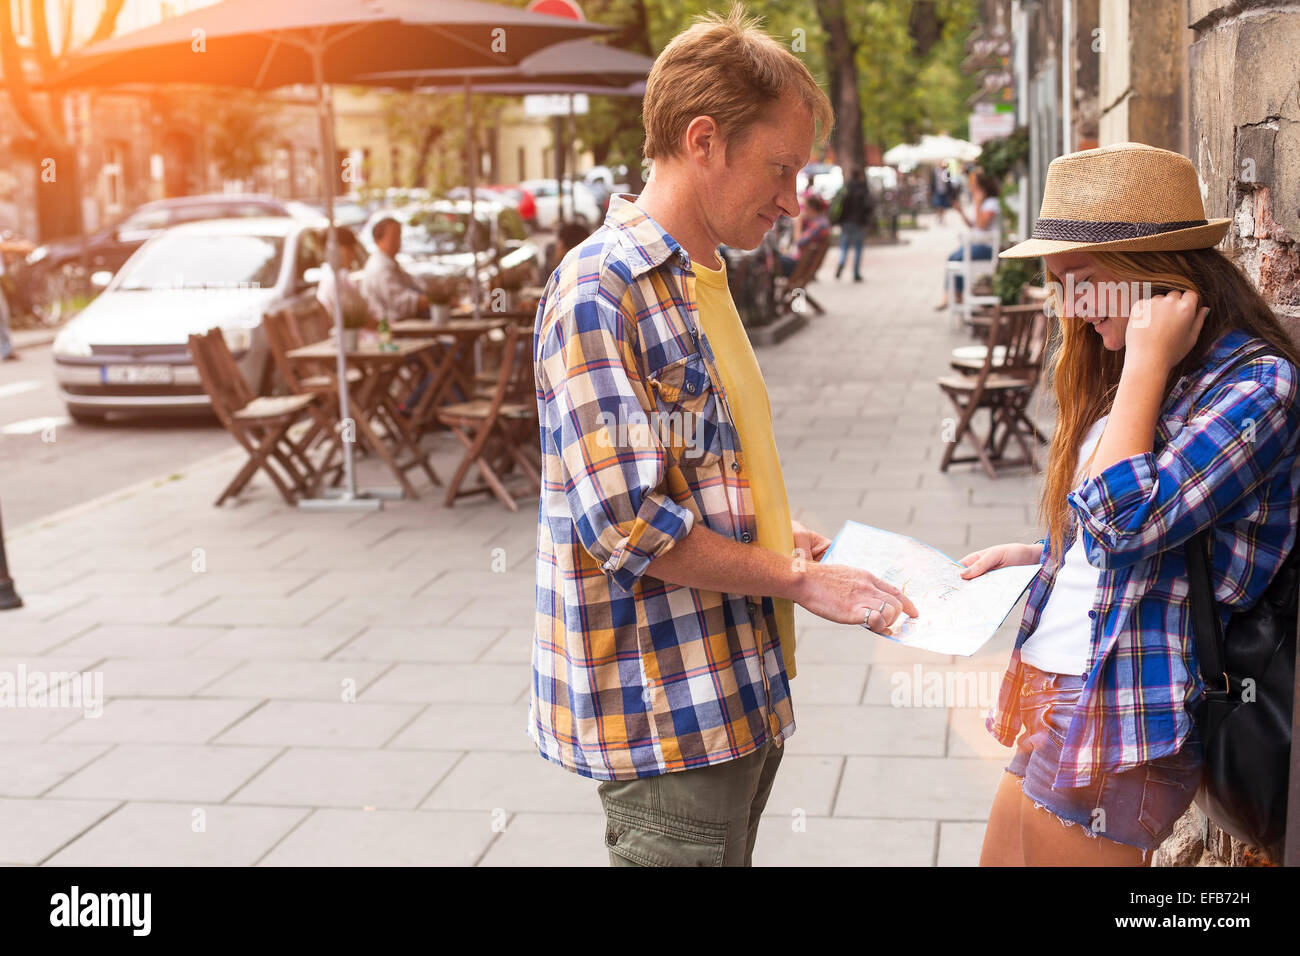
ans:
(686, 412)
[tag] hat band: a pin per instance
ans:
(1081, 230)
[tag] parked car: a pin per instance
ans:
(434, 242)
(127, 350)
(580, 203)
(112, 245)
(347, 212)
(518, 197)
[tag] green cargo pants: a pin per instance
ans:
(707, 816)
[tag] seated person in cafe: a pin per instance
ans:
(812, 226)
(391, 291)
(350, 254)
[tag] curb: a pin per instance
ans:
(31, 338)
(59, 517)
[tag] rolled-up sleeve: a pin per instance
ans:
(613, 466)
(1149, 503)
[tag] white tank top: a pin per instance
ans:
(1062, 640)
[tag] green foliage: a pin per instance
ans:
(903, 93)
(241, 127)
(1011, 274)
(1002, 157)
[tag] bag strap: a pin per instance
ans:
(1206, 626)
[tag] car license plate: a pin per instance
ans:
(137, 374)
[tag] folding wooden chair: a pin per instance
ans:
(805, 270)
(260, 424)
(496, 430)
(284, 333)
(1003, 388)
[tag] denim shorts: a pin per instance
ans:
(1137, 807)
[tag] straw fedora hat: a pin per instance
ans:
(1129, 197)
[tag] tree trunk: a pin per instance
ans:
(841, 64)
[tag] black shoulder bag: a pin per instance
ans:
(1249, 677)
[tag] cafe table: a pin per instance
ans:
(374, 404)
(460, 338)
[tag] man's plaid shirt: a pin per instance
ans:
(633, 677)
(1224, 459)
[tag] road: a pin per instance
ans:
(48, 462)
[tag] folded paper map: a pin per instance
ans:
(956, 616)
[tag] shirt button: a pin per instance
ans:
(1092, 614)
(745, 537)
(753, 608)
(690, 387)
(735, 466)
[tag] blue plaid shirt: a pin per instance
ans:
(1224, 460)
(632, 676)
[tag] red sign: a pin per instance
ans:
(557, 8)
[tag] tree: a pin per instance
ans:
(57, 201)
(241, 130)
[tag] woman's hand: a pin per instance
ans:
(1000, 556)
(808, 541)
(1162, 330)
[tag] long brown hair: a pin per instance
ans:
(1086, 373)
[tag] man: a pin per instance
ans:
(855, 213)
(391, 291)
(667, 562)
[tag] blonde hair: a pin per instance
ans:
(725, 67)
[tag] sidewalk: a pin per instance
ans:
(293, 688)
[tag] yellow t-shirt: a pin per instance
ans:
(752, 409)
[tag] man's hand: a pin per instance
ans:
(848, 595)
(808, 541)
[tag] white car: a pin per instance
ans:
(579, 203)
(127, 351)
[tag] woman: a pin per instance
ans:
(350, 252)
(1149, 450)
(983, 228)
(811, 226)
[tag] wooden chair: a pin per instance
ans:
(1004, 389)
(260, 424)
(496, 430)
(805, 270)
(284, 333)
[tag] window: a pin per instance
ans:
(311, 253)
(114, 175)
(146, 219)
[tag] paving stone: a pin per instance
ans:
(197, 773)
(180, 834)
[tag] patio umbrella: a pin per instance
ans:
(259, 45)
(559, 68)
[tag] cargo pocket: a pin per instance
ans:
(648, 837)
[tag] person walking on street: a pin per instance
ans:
(854, 205)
